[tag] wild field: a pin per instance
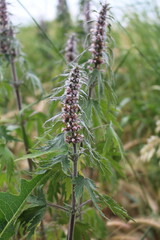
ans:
(80, 124)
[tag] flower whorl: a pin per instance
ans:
(71, 108)
(98, 38)
(6, 31)
(70, 50)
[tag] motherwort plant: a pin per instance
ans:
(70, 118)
(10, 52)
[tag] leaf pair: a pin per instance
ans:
(98, 200)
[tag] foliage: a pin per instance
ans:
(101, 173)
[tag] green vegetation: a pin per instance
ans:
(118, 161)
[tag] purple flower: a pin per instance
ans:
(71, 49)
(98, 38)
(6, 31)
(71, 108)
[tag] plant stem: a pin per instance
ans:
(83, 204)
(73, 213)
(90, 92)
(43, 235)
(57, 206)
(16, 86)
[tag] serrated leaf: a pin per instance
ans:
(58, 144)
(81, 182)
(63, 159)
(11, 205)
(33, 214)
(115, 207)
(101, 162)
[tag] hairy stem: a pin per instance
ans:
(83, 204)
(57, 206)
(73, 213)
(16, 86)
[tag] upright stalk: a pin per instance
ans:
(98, 43)
(70, 117)
(16, 85)
(73, 213)
(9, 51)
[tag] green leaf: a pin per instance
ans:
(68, 187)
(112, 140)
(96, 223)
(56, 145)
(33, 214)
(100, 86)
(36, 154)
(34, 82)
(6, 160)
(63, 159)
(11, 205)
(56, 117)
(30, 218)
(94, 77)
(82, 231)
(99, 161)
(115, 207)
(79, 186)
(81, 182)
(5, 133)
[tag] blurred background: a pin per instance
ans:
(46, 9)
(135, 30)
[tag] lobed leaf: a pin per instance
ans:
(11, 205)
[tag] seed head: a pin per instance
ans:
(71, 48)
(71, 108)
(98, 38)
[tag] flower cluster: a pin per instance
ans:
(6, 31)
(70, 50)
(3, 14)
(98, 38)
(87, 11)
(71, 108)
